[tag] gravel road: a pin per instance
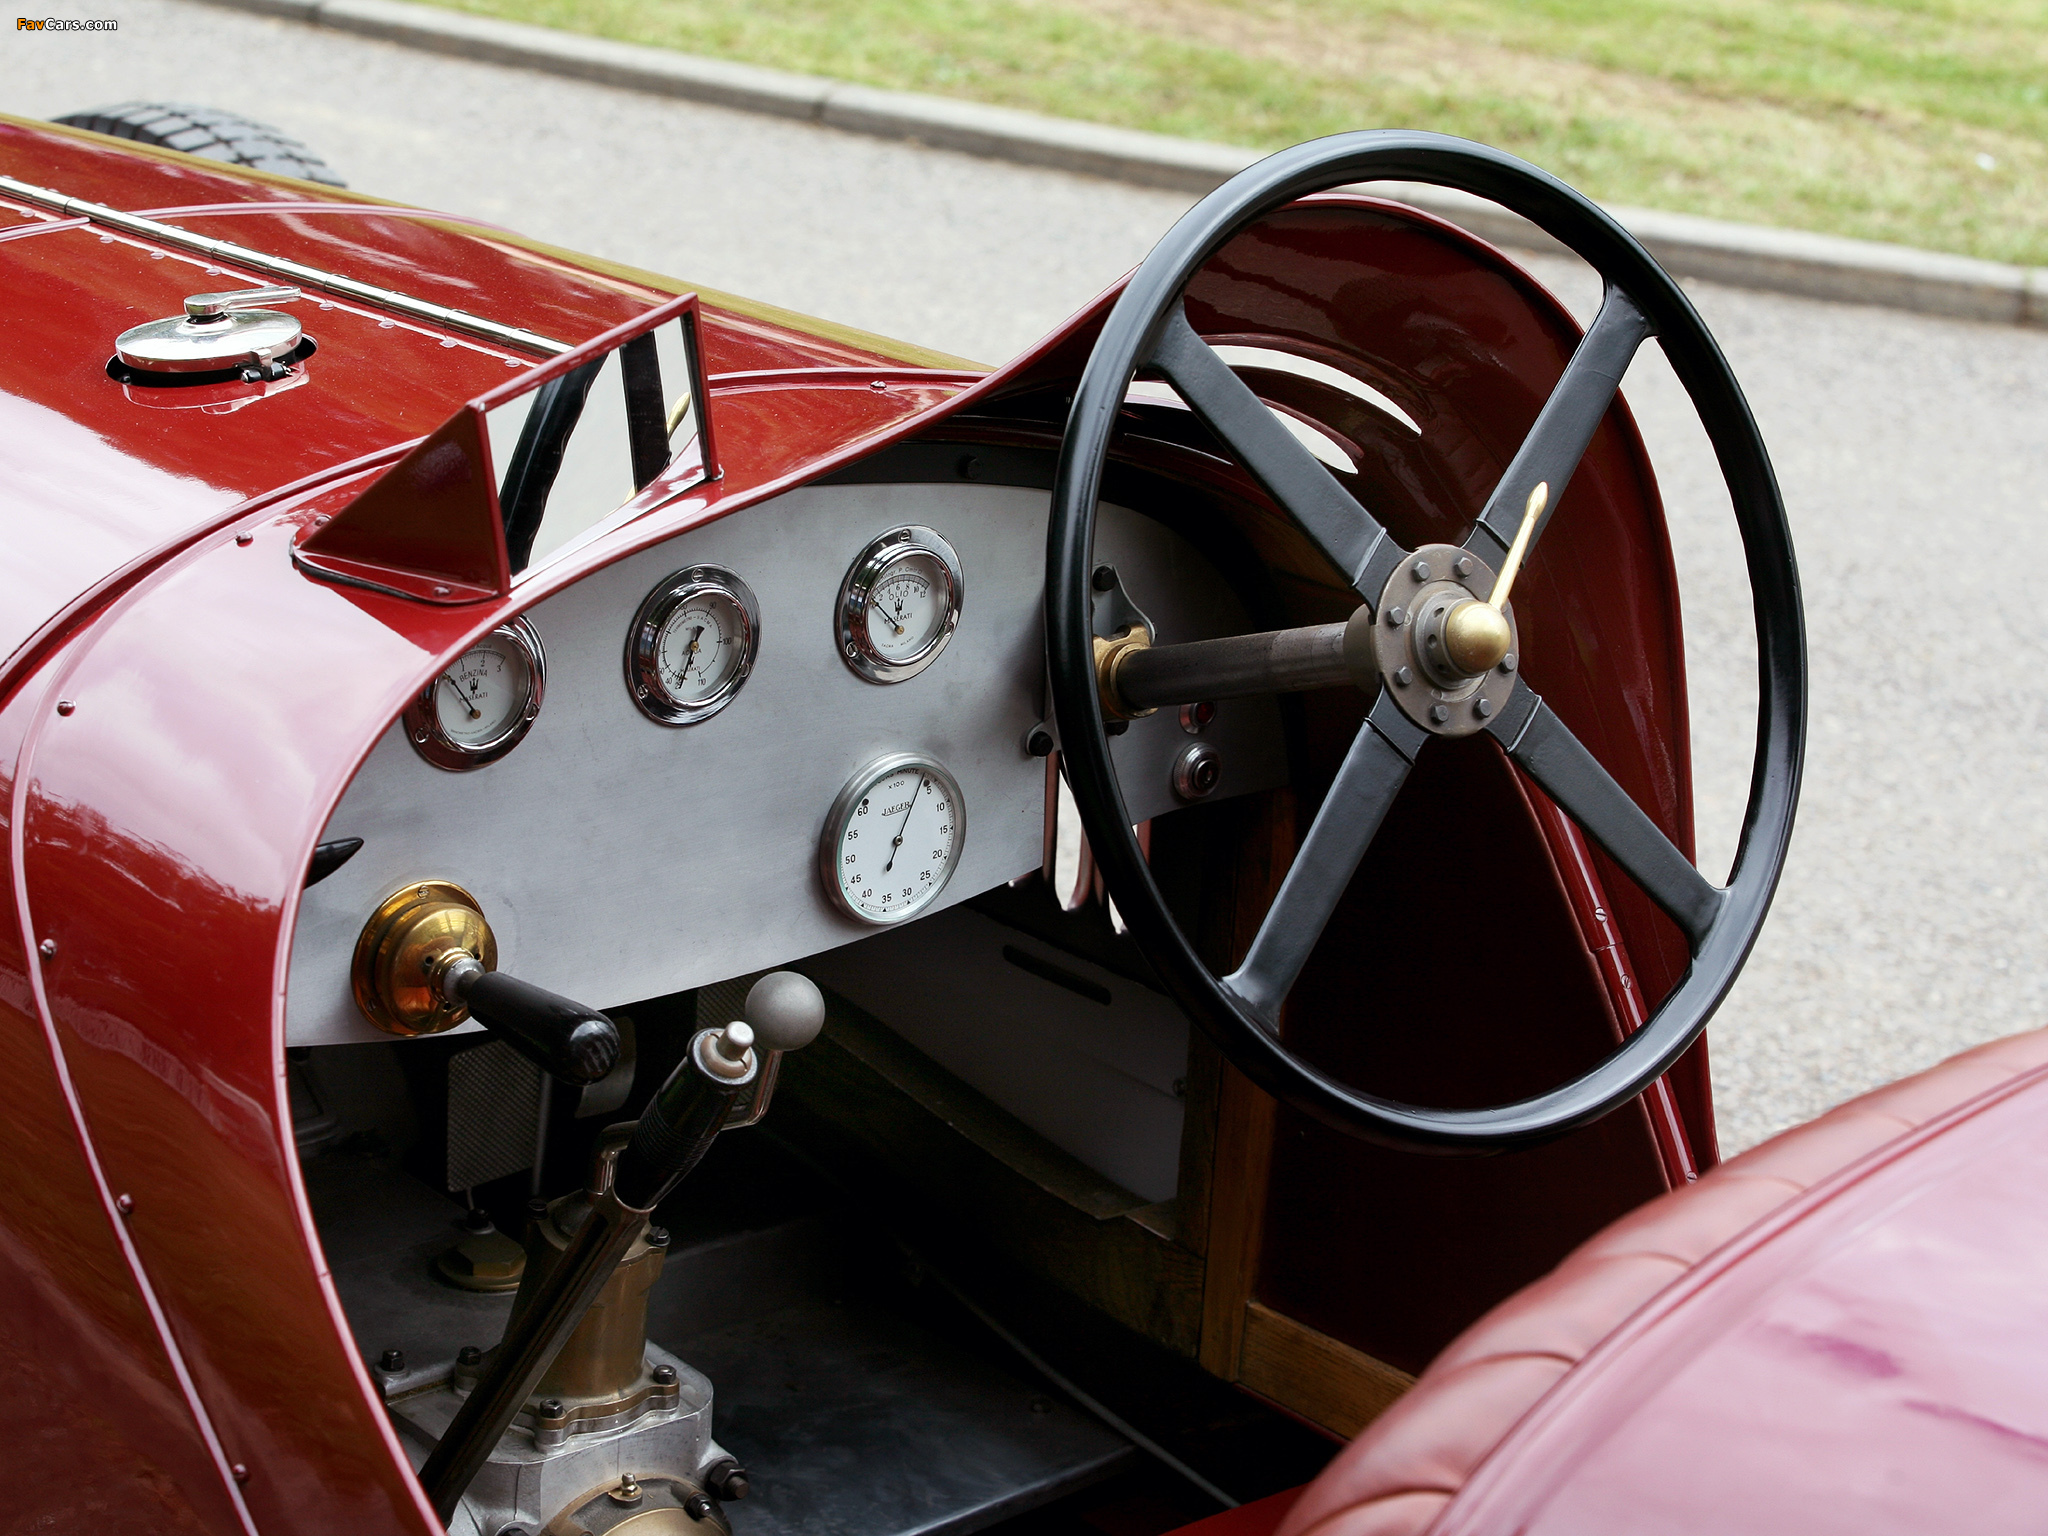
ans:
(1912, 920)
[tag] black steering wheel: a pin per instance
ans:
(1441, 665)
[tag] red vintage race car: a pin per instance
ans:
(633, 912)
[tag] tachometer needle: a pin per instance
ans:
(903, 825)
(474, 712)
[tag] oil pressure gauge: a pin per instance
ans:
(483, 706)
(899, 604)
(892, 839)
(692, 645)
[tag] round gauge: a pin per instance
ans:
(692, 645)
(483, 705)
(892, 839)
(899, 604)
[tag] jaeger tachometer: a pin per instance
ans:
(899, 604)
(892, 839)
(483, 705)
(692, 645)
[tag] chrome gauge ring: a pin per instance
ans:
(899, 604)
(892, 839)
(481, 707)
(692, 645)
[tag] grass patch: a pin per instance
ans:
(1922, 121)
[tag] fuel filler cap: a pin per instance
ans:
(218, 331)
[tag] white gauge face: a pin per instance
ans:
(699, 647)
(893, 838)
(691, 645)
(483, 695)
(899, 604)
(907, 607)
(481, 707)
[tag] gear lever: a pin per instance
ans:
(631, 1175)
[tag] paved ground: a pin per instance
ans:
(1913, 918)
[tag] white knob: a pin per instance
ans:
(786, 1010)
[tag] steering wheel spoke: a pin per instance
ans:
(1371, 776)
(1345, 532)
(1551, 452)
(1556, 759)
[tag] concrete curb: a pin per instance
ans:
(1741, 255)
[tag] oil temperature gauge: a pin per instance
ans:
(899, 604)
(483, 706)
(892, 839)
(692, 645)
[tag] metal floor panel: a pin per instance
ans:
(855, 1422)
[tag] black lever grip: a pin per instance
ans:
(561, 1037)
(682, 1120)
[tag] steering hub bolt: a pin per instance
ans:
(1463, 566)
(1404, 676)
(1483, 708)
(1439, 713)
(1422, 570)
(1397, 616)
(1507, 662)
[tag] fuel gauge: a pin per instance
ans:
(483, 705)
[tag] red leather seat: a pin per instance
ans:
(1397, 1477)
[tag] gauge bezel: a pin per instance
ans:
(643, 644)
(423, 720)
(870, 568)
(836, 820)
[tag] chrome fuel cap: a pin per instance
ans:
(218, 331)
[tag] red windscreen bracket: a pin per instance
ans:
(431, 527)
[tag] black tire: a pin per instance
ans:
(209, 134)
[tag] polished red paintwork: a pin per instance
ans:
(1868, 1360)
(190, 707)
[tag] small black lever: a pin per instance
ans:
(557, 1034)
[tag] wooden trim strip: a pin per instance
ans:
(1309, 1373)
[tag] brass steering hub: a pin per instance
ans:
(409, 941)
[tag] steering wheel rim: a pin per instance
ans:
(1147, 328)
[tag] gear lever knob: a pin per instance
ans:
(785, 1011)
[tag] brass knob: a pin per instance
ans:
(1476, 637)
(405, 948)
(1476, 634)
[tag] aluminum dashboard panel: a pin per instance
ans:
(618, 859)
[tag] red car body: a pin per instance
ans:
(182, 706)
